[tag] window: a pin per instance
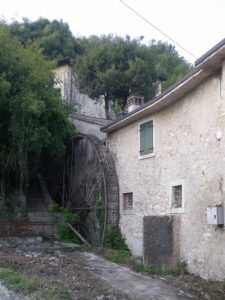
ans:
(177, 197)
(146, 139)
(128, 201)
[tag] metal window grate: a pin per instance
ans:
(128, 201)
(177, 196)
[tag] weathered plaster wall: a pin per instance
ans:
(186, 148)
(82, 104)
(88, 128)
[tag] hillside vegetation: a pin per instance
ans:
(107, 65)
(34, 123)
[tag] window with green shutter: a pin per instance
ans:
(146, 138)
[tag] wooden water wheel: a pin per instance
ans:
(92, 187)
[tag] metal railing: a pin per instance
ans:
(27, 229)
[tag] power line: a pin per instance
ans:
(149, 23)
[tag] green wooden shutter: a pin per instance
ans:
(146, 138)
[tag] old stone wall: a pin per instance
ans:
(189, 147)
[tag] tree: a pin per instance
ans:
(118, 67)
(108, 65)
(54, 37)
(34, 124)
(115, 67)
(169, 64)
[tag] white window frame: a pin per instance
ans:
(177, 210)
(139, 140)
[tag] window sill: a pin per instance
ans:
(146, 156)
(127, 212)
(177, 210)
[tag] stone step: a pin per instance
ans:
(41, 216)
(44, 216)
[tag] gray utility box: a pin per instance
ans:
(215, 215)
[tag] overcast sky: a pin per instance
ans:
(197, 25)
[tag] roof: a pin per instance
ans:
(205, 66)
(210, 52)
(89, 119)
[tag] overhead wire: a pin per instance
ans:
(155, 27)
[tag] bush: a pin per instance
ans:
(64, 232)
(182, 267)
(115, 240)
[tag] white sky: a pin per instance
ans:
(195, 24)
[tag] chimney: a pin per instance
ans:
(134, 102)
(159, 84)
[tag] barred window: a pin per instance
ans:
(177, 196)
(127, 201)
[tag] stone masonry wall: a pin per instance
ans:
(188, 149)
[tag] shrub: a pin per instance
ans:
(115, 240)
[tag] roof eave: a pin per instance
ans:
(205, 66)
(161, 102)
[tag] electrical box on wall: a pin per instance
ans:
(215, 215)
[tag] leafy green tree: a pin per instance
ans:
(169, 64)
(54, 37)
(109, 65)
(34, 125)
(115, 67)
(118, 67)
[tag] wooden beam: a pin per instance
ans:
(78, 234)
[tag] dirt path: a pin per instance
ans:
(90, 277)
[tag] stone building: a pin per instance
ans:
(170, 160)
(88, 115)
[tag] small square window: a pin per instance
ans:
(128, 201)
(177, 196)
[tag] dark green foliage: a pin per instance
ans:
(181, 268)
(54, 37)
(116, 67)
(117, 256)
(68, 216)
(34, 124)
(108, 65)
(115, 240)
(169, 64)
(64, 232)
(66, 235)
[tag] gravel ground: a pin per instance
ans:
(86, 275)
(89, 277)
(5, 294)
(61, 268)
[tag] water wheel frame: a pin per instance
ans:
(80, 144)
